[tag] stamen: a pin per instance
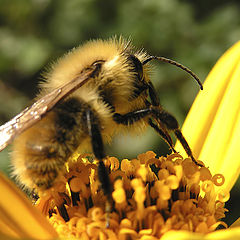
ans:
(150, 196)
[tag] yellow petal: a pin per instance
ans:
(213, 123)
(182, 235)
(236, 223)
(5, 237)
(226, 234)
(18, 218)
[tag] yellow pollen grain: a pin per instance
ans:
(76, 184)
(142, 172)
(223, 196)
(163, 174)
(119, 193)
(218, 179)
(172, 182)
(207, 186)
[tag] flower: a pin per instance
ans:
(153, 197)
(212, 126)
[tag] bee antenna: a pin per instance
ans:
(167, 60)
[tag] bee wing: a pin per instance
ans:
(30, 115)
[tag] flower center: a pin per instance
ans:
(151, 196)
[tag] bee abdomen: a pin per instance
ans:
(44, 163)
(41, 151)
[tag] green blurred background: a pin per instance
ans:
(34, 33)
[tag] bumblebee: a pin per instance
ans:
(93, 92)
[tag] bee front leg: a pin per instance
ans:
(98, 150)
(132, 117)
(171, 124)
(165, 120)
(163, 133)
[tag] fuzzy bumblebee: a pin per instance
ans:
(90, 94)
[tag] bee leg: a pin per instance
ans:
(98, 150)
(171, 124)
(63, 212)
(153, 95)
(75, 198)
(163, 133)
(132, 117)
(165, 119)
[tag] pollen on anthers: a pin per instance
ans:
(151, 195)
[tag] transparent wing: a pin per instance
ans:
(30, 115)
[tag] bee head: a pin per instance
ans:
(136, 65)
(140, 84)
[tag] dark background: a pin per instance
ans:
(34, 33)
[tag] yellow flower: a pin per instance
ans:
(18, 218)
(153, 197)
(212, 126)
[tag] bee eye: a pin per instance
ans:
(137, 65)
(98, 62)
